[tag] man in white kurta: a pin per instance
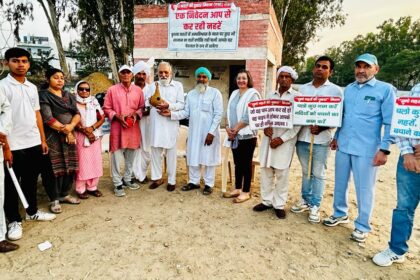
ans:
(204, 108)
(163, 130)
(141, 71)
(276, 151)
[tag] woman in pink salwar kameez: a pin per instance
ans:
(88, 135)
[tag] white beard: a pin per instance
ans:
(165, 82)
(201, 88)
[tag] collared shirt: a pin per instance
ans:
(24, 101)
(327, 89)
(406, 145)
(367, 108)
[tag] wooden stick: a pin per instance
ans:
(311, 147)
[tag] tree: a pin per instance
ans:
(299, 21)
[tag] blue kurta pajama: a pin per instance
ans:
(367, 108)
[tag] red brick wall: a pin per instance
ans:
(253, 33)
(257, 68)
(151, 35)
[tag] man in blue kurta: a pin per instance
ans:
(368, 106)
(204, 108)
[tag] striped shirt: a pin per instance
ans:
(406, 145)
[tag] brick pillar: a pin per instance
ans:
(258, 70)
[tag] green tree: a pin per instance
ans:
(299, 21)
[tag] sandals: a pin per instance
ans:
(95, 193)
(190, 187)
(55, 207)
(83, 195)
(230, 195)
(70, 200)
(240, 200)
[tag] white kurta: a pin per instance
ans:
(280, 157)
(163, 130)
(205, 113)
(145, 122)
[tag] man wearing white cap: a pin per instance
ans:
(204, 108)
(313, 186)
(141, 72)
(163, 130)
(276, 151)
(368, 107)
(124, 103)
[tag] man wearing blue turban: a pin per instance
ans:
(204, 108)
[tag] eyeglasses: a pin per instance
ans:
(325, 67)
(201, 77)
(83, 89)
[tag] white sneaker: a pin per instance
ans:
(14, 231)
(387, 257)
(300, 206)
(358, 235)
(119, 192)
(314, 216)
(40, 216)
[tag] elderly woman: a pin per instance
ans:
(241, 138)
(60, 116)
(88, 142)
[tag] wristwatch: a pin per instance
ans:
(386, 152)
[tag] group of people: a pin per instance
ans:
(63, 132)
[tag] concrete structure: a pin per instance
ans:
(259, 47)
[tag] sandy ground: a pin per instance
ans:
(154, 234)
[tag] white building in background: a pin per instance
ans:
(40, 48)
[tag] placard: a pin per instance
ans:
(203, 26)
(270, 113)
(406, 117)
(317, 110)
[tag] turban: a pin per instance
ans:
(142, 66)
(203, 70)
(289, 70)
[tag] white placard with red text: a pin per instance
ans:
(406, 117)
(202, 26)
(270, 113)
(317, 110)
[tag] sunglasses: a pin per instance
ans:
(83, 89)
(325, 67)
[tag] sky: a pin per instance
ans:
(363, 17)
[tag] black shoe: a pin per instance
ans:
(190, 187)
(261, 207)
(170, 187)
(207, 190)
(146, 180)
(280, 213)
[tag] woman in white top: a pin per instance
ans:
(241, 138)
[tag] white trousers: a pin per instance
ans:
(156, 163)
(141, 162)
(194, 174)
(3, 228)
(116, 158)
(274, 186)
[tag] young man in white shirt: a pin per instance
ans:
(26, 140)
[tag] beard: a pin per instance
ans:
(201, 87)
(164, 82)
(361, 79)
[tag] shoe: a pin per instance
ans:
(240, 200)
(6, 246)
(83, 195)
(170, 187)
(261, 207)
(14, 231)
(146, 180)
(95, 193)
(387, 257)
(358, 235)
(280, 213)
(300, 206)
(155, 184)
(69, 200)
(314, 216)
(190, 187)
(334, 221)
(207, 190)
(119, 192)
(40, 216)
(131, 185)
